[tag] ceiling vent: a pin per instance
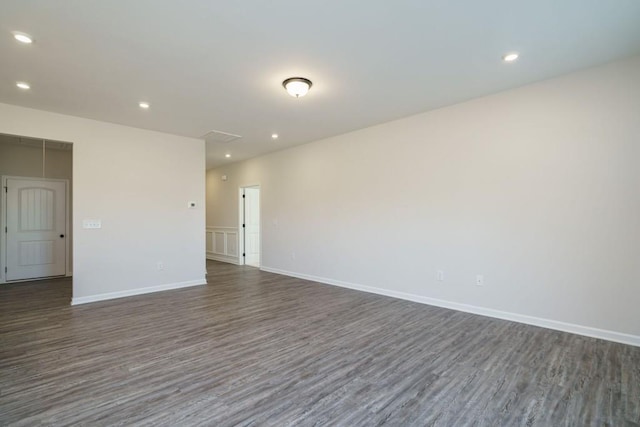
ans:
(220, 137)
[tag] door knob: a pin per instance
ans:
(62, 236)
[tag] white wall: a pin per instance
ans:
(138, 183)
(537, 188)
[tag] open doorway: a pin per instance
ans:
(250, 225)
(35, 207)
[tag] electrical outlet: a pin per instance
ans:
(293, 255)
(160, 266)
(440, 275)
(479, 280)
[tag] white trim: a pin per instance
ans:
(139, 291)
(231, 260)
(3, 224)
(489, 312)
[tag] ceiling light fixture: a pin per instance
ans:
(22, 37)
(23, 85)
(297, 86)
(274, 136)
(510, 57)
(227, 155)
(144, 105)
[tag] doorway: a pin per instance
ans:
(35, 209)
(250, 225)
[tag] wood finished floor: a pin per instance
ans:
(254, 348)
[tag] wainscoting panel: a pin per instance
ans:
(209, 242)
(232, 243)
(222, 244)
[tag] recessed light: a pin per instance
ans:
(510, 57)
(227, 155)
(274, 136)
(22, 37)
(23, 85)
(144, 105)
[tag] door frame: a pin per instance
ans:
(3, 223)
(241, 237)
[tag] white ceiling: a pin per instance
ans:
(205, 64)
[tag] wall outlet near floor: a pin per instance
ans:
(293, 255)
(440, 275)
(479, 280)
(160, 266)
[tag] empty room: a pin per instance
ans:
(356, 213)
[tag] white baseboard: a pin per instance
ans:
(222, 258)
(515, 317)
(139, 291)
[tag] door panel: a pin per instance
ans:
(252, 226)
(36, 229)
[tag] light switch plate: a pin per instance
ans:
(92, 223)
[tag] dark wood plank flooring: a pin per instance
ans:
(254, 348)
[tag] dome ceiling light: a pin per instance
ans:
(297, 86)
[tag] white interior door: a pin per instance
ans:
(36, 228)
(252, 226)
